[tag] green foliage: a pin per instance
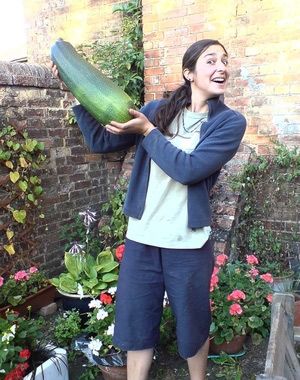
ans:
(114, 223)
(230, 368)
(67, 327)
(76, 232)
(90, 373)
(168, 330)
(268, 188)
(21, 158)
(14, 292)
(17, 334)
(123, 59)
(239, 300)
(87, 275)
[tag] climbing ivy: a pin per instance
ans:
(269, 190)
(20, 190)
(122, 60)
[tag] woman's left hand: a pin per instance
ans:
(139, 125)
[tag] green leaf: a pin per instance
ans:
(38, 190)
(14, 176)
(23, 185)
(67, 284)
(74, 264)
(109, 267)
(109, 277)
(19, 216)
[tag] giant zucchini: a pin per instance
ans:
(99, 95)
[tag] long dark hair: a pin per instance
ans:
(181, 97)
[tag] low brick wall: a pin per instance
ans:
(73, 179)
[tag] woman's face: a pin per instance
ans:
(211, 73)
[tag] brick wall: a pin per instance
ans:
(79, 21)
(262, 38)
(73, 179)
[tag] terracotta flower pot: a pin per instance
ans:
(232, 347)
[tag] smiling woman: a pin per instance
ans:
(12, 26)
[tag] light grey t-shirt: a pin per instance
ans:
(164, 221)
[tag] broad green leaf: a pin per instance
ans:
(109, 277)
(31, 197)
(34, 180)
(109, 267)
(103, 258)
(19, 216)
(23, 185)
(14, 176)
(67, 284)
(15, 300)
(74, 264)
(38, 190)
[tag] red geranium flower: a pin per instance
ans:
(120, 252)
(105, 298)
(25, 354)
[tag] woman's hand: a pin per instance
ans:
(54, 70)
(139, 125)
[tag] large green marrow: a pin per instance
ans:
(99, 95)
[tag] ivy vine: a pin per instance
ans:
(122, 60)
(268, 223)
(20, 190)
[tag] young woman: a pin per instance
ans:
(181, 145)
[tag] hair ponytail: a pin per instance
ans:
(179, 99)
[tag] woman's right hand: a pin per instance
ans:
(54, 70)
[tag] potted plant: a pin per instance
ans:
(21, 348)
(240, 302)
(87, 274)
(25, 288)
(97, 337)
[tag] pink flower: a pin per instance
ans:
(253, 272)
(267, 277)
(270, 297)
(221, 259)
(33, 270)
(1, 281)
(236, 295)
(214, 279)
(235, 309)
(21, 275)
(251, 259)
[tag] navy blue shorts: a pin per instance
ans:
(145, 273)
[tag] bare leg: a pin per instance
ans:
(138, 364)
(197, 364)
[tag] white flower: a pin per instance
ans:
(80, 291)
(166, 300)
(110, 330)
(13, 329)
(112, 290)
(95, 304)
(7, 337)
(95, 345)
(2, 370)
(76, 248)
(101, 314)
